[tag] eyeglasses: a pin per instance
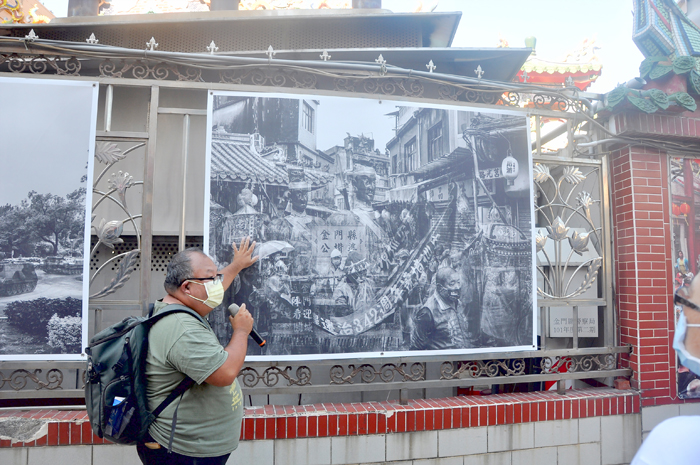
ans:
(677, 299)
(219, 278)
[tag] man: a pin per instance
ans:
(209, 413)
(436, 325)
(356, 292)
(682, 264)
(330, 276)
(675, 440)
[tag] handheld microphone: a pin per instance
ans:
(233, 310)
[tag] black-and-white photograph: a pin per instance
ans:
(44, 195)
(382, 228)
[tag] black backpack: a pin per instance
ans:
(115, 380)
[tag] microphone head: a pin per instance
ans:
(233, 309)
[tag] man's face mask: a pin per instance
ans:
(215, 292)
(449, 292)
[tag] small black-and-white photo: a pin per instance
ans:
(44, 197)
(381, 227)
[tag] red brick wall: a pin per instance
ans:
(643, 255)
(324, 420)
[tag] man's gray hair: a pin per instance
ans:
(179, 269)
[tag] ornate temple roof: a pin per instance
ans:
(233, 160)
(580, 67)
(662, 29)
(669, 75)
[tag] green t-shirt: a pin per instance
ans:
(209, 417)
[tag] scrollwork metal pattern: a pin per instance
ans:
(40, 64)
(146, 69)
(483, 368)
(386, 86)
(18, 379)
(583, 363)
(368, 373)
(271, 376)
(270, 76)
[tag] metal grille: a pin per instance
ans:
(163, 248)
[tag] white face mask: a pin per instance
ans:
(215, 293)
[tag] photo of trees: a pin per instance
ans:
(43, 197)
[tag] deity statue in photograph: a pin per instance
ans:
(363, 180)
(295, 227)
(247, 201)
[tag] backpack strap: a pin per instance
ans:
(171, 308)
(186, 383)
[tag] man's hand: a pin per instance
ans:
(242, 256)
(243, 321)
(226, 374)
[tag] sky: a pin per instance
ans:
(560, 26)
(51, 160)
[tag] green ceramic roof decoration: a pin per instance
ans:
(694, 82)
(658, 97)
(683, 64)
(648, 101)
(685, 100)
(615, 97)
(647, 106)
(657, 67)
(648, 64)
(660, 70)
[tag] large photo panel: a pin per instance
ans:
(383, 228)
(49, 128)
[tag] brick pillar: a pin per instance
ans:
(643, 253)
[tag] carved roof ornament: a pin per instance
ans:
(662, 29)
(92, 39)
(151, 45)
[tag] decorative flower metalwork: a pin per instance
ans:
(108, 232)
(558, 230)
(108, 152)
(541, 173)
(540, 241)
(579, 242)
(573, 175)
(121, 182)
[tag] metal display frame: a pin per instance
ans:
(581, 159)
